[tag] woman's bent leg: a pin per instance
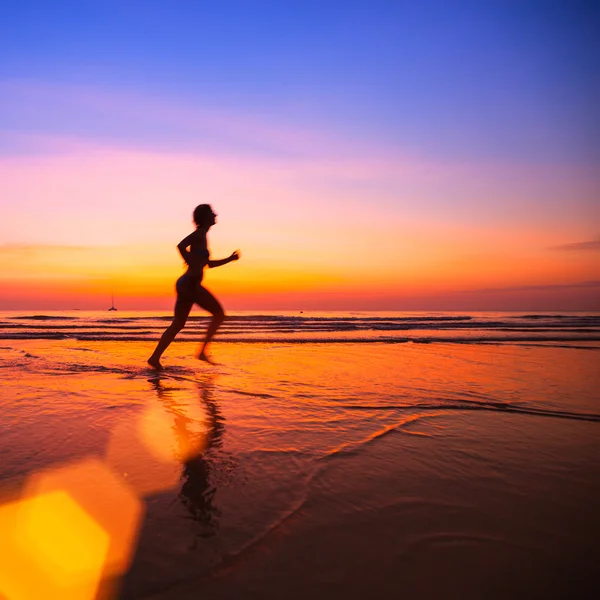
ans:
(182, 311)
(208, 302)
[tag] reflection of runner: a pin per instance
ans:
(189, 286)
(197, 492)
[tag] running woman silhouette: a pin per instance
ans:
(194, 250)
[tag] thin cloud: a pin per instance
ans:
(180, 123)
(35, 248)
(531, 288)
(590, 245)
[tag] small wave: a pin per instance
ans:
(583, 319)
(44, 318)
(253, 394)
(70, 368)
(145, 336)
(122, 320)
(47, 335)
(487, 406)
(105, 326)
(355, 447)
(541, 317)
(572, 346)
(440, 409)
(292, 319)
(350, 319)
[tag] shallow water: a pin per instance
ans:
(290, 467)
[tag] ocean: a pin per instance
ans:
(334, 454)
(324, 327)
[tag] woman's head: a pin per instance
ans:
(204, 216)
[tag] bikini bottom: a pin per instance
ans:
(186, 286)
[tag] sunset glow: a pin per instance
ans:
(362, 186)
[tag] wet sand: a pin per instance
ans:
(479, 506)
(435, 471)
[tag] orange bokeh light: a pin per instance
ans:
(50, 548)
(105, 497)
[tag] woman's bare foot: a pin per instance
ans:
(155, 363)
(207, 359)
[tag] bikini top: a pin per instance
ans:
(201, 252)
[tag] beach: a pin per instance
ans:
(300, 300)
(339, 456)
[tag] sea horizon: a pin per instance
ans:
(312, 326)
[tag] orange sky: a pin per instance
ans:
(336, 227)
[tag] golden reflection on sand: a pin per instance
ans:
(172, 430)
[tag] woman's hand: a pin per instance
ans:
(235, 255)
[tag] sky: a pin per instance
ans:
(362, 155)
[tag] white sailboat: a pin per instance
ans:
(112, 303)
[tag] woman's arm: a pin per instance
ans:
(183, 246)
(223, 261)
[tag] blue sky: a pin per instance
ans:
(510, 81)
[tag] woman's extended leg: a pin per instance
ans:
(182, 311)
(208, 302)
